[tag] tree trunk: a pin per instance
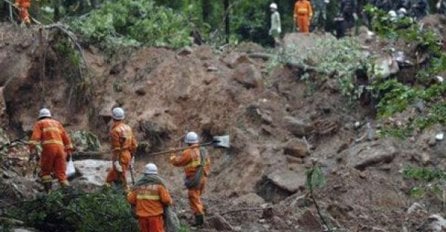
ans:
(206, 10)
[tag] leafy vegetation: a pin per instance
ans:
(132, 23)
(430, 182)
(106, 210)
(85, 141)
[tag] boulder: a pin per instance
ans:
(297, 148)
(92, 173)
(219, 223)
(290, 181)
(248, 76)
(369, 154)
(234, 59)
(249, 199)
(297, 126)
(434, 223)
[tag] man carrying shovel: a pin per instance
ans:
(196, 165)
(123, 144)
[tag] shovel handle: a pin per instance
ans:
(178, 149)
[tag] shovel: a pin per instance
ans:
(217, 141)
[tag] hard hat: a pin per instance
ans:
(118, 113)
(392, 14)
(150, 168)
(191, 137)
(402, 10)
(44, 113)
(273, 6)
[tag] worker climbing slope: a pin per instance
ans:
(149, 197)
(196, 165)
(303, 13)
(123, 144)
(56, 148)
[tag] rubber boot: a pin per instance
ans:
(199, 220)
(47, 186)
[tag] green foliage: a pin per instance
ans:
(330, 56)
(315, 178)
(85, 141)
(429, 182)
(397, 97)
(133, 22)
(101, 211)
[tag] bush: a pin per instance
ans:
(132, 23)
(104, 211)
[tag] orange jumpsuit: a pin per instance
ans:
(302, 15)
(23, 6)
(123, 144)
(55, 143)
(150, 201)
(190, 160)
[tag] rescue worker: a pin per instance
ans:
(123, 145)
(275, 29)
(419, 9)
(149, 197)
(303, 12)
(441, 6)
(347, 9)
(23, 6)
(320, 13)
(56, 149)
(196, 165)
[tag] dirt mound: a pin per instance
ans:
(279, 127)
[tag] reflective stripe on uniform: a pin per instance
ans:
(34, 142)
(52, 128)
(147, 197)
(52, 141)
(193, 164)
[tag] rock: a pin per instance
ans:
(248, 76)
(219, 223)
(185, 51)
(249, 199)
(439, 136)
(435, 223)
(309, 222)
(416, 207)
(294, 160)
(369, 154)
(297, 127)
(296, 148)
(425, 158)
(385, 66)
(141, 91)
(92, 173)
(288, 180)
(234, 59)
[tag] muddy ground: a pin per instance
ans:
(278, 124)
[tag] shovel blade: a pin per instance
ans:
(221, 141)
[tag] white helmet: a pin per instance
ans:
(273, 6)
(150, 169)
(44, 113)
(191, 137)
(392, 15)
(118, 113)
(402, 11)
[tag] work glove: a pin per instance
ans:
(172, 158)
(117, 166)
(16, 5)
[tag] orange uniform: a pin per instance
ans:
(302, 15)
(23, 6)
(191, 161)
(55, 143)
(150, 200)
(123, 144)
